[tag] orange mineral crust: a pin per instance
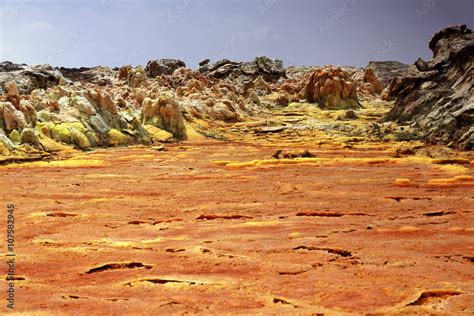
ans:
(215, 227)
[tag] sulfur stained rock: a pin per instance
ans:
(164, 113)
(278, 98)
(104, 101)
(137, 77)
(331, 88)
(158, 135)
(13, 118)
(367, 82)
(223, 112)
(13, 96)
(15, 136)
(117, 138)
(172, 118)
(30, 136)
(123, 72)
(82, 104)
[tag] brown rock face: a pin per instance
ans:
(164, 113)
(436, 96)
(331, 88)
(123, 72)
(160, 67)
(12, 94)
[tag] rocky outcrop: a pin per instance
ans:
(269, 69)
(368, 84)
(160, 67)
(386, 71)
(437, 97)
(102, 76)
(331, 88)
(28, 78)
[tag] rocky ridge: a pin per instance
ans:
(47, 110)
(436, 96)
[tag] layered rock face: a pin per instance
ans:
(332, 88)
(386, 71)
(28, 78)
(102, 76)
(269, 69)
(436, 96)
(163, 67)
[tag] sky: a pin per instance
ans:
(75, 33)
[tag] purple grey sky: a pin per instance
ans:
(77, 33)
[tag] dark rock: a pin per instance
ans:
(8, 66)
(99, 75)
(421, 64)
(28, 78)
(204, 62)
(386, 71)
(440, 99)
(160, 67)
(271, 70)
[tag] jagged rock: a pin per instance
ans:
(15, 136)
(204, 62)
(223, 112)
(13, 96)
(123, 72)
(13, 118)
(82, 104)
(386, 71)
(270, 69)
(28, 78)
(439, 100)
(30, 136)
(101, 76)
(368, 84)
(164, 113)
(331, 88)
(421, 64)
(278, 98)
(117, 138)
(6, 145)
(172, 118)
(158, 135)
(137, 77)
(160, 67)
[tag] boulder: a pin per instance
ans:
(160, 67)
(164, 113)
(137, 77)
(13, 96)
(331, 88)
(13, 119)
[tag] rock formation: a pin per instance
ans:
(102, 76)
(160, 67)
(331, 88)
(28, 78)
(386, 71)
(437, 97)
(269, 69)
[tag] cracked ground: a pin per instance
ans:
(195, 229)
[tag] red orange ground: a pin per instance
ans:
(139, 231)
